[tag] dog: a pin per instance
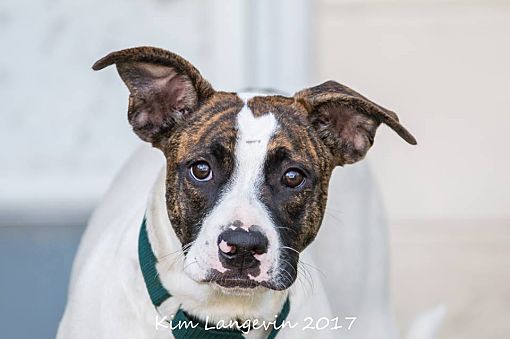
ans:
(218, 232)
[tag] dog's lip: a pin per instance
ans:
(234, 282)
(241, 282)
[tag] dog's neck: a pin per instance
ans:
(201, 300)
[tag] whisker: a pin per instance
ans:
(191, 263)
(315, 268)
(286, 228)
(308, 279)
(183, 249)
(334, 217)
(334, 210)
(290, 248)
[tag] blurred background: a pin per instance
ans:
(443, 66)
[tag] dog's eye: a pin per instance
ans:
(293, 178)
(201, 171)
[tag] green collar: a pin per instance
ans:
(159, 294)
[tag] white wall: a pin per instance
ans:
(444, 67)
(64, 130)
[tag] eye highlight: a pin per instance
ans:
(201, 171)
(293, 178)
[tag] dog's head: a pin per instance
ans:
(247, 175)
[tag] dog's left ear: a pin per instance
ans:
(164, 89)
(347, 121)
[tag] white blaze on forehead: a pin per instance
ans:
(254, 134)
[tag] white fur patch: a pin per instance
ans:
(240, 200)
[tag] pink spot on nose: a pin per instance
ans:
(226, 248)
(259, 257)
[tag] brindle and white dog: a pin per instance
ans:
(242, 196)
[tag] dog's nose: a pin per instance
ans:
(239, 247)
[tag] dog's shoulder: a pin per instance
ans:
(123, 204)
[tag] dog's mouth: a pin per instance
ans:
(247, 278)
(240, 281)
(231, 280)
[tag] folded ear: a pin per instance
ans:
(164, 88)
(346, 120)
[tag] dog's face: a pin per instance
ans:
(246, 184)
(247, 174)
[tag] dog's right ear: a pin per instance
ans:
(164, 89)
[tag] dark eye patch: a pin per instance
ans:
(280, 160)
(212, 167)
(223, 154)
(275, 158)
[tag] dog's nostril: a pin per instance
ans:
(258, 250)
(239, 247)
(226, 248)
